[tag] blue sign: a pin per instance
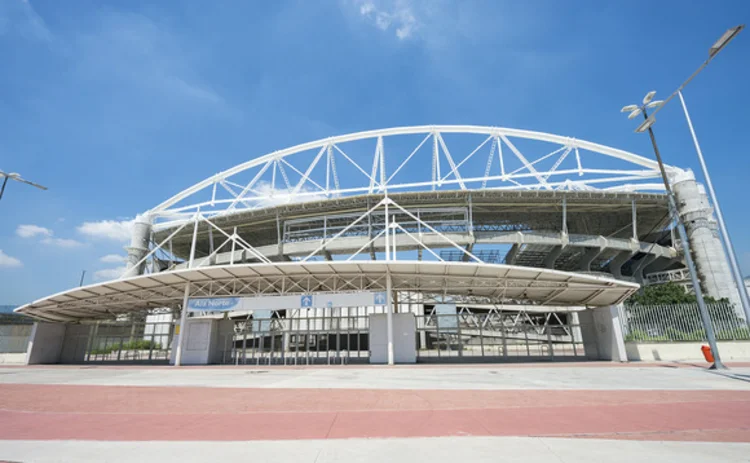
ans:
(306, 301)
(214, 304)
(380, 298)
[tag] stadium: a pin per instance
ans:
(401, 245)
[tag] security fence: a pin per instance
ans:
(498, 336)
(342, 336)
(15, 331)
(309, 337)
(681, 322)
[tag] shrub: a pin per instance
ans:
(697, 335)
(102, 351)
(141, 344)
(637, 335)
(735, 333)
(674, 334)
(138, 344)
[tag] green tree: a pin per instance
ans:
(668, 312)
(667, 293)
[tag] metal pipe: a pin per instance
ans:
(728, 247)
(712, 54)
(710, 336)
(234, 246)
(2, 189)
(193, 243)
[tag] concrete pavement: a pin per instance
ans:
(573, 376)
(541, 412)
(432, 450)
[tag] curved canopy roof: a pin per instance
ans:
(167, 289)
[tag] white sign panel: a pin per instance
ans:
(304, 301)
(214, 304)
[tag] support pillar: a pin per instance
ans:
(575, 327)
(138, 249)
(183, 327)
(510, 257)
(45, 343)
(601, 330)
(549, 261)
(615, 265)
(705, 244)
(389, 319)
(588, 257)
(645, 261)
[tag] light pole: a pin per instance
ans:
(726, 240)
(712, 52)
(728, 247)
(719, 45)
(17, 177)
(635, 111)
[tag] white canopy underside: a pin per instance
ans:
(495, 282)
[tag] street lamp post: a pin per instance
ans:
(726, 240)
(728, 247)
(636, 110)
(15, 176)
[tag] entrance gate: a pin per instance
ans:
(498, 336)
(341, 336)
(304, 337)
(148, 339)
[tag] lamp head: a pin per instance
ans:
(649, 96)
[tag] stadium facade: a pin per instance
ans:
(426, 243)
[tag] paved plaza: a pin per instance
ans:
(537, 412)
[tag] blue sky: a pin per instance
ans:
(117, 106)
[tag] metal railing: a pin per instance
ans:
(681, 322)
(129, 342)
(678, 275)
(494, 336)
(299, 340)
(444, 220)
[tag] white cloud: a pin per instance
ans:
(115, 230)
(112, 259)
(109, 273)
(383, 21)
(62, 242)
(7, 261)
(393, 14)
(30, 231)
(366, 8)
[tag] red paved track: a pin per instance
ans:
(192, 413)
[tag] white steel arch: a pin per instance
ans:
(309, 171)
